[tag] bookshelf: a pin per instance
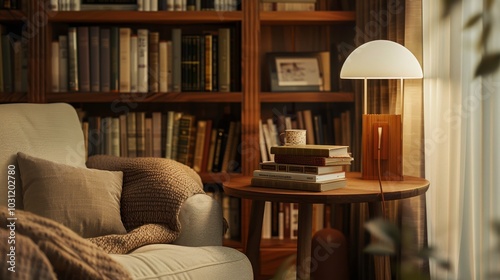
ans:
(259, 32)
(11, 22)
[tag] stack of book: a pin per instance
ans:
(304, 167)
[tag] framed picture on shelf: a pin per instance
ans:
(295, 71)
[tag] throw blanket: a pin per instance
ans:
(45, 249)
(152, 195)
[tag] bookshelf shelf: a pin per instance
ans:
(271, 97)
(13, 97)
(171, 97)
(11, 15)
(307, 17)
(131, 17)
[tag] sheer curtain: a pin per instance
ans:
(462, 134)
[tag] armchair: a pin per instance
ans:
(52, 132)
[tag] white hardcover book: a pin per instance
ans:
(267, 220)
(124, 75)
(142, 60)
(267, 138)
(140, 5)
(133, 63)
(147, 5)
(177, 5)
(55, 66)
(163, 60)
(153, 5)
(299, 176)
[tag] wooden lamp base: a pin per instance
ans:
(391, 147)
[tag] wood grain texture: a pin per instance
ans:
(356, 191)
(392, 167)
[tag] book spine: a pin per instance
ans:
(95, 75)
(208, 63)
(298, 176)
(105, 57)
(162, 68)
(157, 128)
(199, 146)
(176, 60)
(55, 66)
(169, 134)
(72, 60)
(175, 134)
(154, 40)
(123, 135)
(142, 60)
(292, 159)
(148, 137)
(124, 65)
(169, 66)
(131, 135)
(206, 148)
(133, 63)
(114, 59)
(184, 150)
(115, 137)
(224, 60)
(141, 133)
(285, 184)
(83, 58)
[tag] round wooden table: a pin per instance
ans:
(356, 191)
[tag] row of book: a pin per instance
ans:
(13, 63)
(320, 129)
(98, 59)
(10, 4)
(201, 144)
(145, 5)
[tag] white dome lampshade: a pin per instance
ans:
(381, 59)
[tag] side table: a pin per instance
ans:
(356, 191)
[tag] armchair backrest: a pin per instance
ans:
(49, 131)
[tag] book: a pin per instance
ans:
(224, 63)
(153, 66)
(104, 55)
(124, 64)
(114, 47)
(298, 176)
(72, 60)
(297, 168)
(200, 144)
(298, 185)
(131, 135)
(142, 60)
(140, 125)
(186, 139)
(83, 49)
(133, 63)
(157, 128)
(95, 59)
(63, 63)
(312, 160)
(176, 59)
(162, 66)
(311, 150)
(55, 66)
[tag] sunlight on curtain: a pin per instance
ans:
(462, 162)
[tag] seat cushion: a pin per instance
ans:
(167, 261)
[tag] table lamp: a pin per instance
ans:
(382, 133)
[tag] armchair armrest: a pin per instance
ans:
(201, 222)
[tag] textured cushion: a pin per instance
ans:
(85, 200)
(167, 261)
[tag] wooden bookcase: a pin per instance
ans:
(261, 32)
